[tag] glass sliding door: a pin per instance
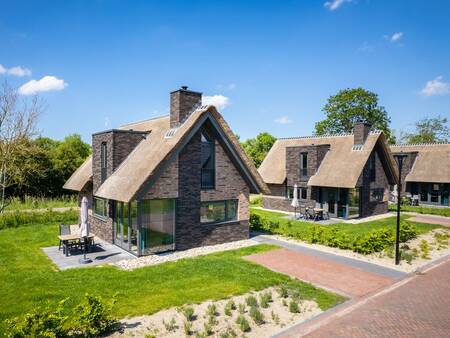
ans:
(125, 226)
(353, 203)
(157, 225)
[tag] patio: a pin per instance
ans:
(329, 221)
(102, 253)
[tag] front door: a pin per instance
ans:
(329, 196)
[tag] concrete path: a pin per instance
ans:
(417, 306)
(432, 219)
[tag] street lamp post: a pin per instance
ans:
(399, 158)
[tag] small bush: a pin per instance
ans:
(293, 307)
(265, 299)
(188, 313)
(241, 308)
(251, 301)
(256, 200)
(255, 222)
(187, 327)
(212, 310)
(212, 320)
(425, 248)
(295, 295)
(229, 307)
(93, 317)
(229, 333)
(275, 318)
(170, 325)
(375, 241)
(407, 231)
(208, 329)
(283, 291)
(243, 323)
(256, 315)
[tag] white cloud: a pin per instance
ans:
(335, 4)
(436, 87)
(219, 101)
(283, 120)
(47, 83)
(15, 71)
(394, 37)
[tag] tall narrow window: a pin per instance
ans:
(304, 164)
(372, 169)
(103, 161)
(208, 162)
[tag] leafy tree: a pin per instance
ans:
(349, 106)
(429, 130)
(70, 154)
(257, 148)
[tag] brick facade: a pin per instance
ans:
(360, 132)
(181, 103)
(167, 185)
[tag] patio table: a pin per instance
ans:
(319, 212)
(65, 239)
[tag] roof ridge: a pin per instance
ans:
(419, 144)
(376, 131)
(145, 120)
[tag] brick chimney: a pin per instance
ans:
(182, 103)
(361, 130)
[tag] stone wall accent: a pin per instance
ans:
(182, 102)
(369, 206)
(277, 203)
(97, 140)
(229, 184)
(166, 186)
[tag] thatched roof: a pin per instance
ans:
(432, 163)
(80, 177)
(341, 166)
(151, 155)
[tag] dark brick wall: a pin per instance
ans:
(181, 104)
(97, 140)
(124, 143)
(277, 189)
(408, 163)
(315, 157)
(369, 206)
(360, 132)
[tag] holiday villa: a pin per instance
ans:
(173, 182)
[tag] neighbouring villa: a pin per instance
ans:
(426, 172)
(173, 182)
(347, 175)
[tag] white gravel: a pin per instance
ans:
(139, 262)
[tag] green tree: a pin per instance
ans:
(428, 130)
(258, 147)
(349, 106)
(70, 154)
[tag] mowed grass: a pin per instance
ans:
(423, 210)
(301, 229)
(28, 278)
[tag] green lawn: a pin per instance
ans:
(422, 210)
(28, 278)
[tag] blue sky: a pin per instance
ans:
(106, 63)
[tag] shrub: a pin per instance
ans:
(295, 294)
(316, 234)
(265, 299)
(275, 318)
(243, 323)
(211, 310)
(241, 308)
(229, 333)
(208, 329)
(39, 323)
(255, 221)
(425, 248)
(230, 306)
(93, 317)
(256, 315)
(251, 301)
(256, 200)
(407, 231)
(375, 241)
(212, 320)
(22, 218)
(188, 313)
(293, 307)
(283, 291)
(187, 327)
(170, 325)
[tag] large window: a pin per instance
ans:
(302, 193)
(377, 194)
(100, 209)
(103, 161)
(208, 162)
(218, 211)
(303, 164)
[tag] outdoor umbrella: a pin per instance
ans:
(84, 228)
(295, 202)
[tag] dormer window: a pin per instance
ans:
(103, 161)
(208, 162)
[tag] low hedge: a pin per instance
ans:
(23, 218)
(374, 241)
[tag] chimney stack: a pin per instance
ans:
(182, 103)
(361, 130)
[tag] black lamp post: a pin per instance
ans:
(399, 158)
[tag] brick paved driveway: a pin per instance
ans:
(320, 271)
(419, 306)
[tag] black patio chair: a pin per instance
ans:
(64, 229)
